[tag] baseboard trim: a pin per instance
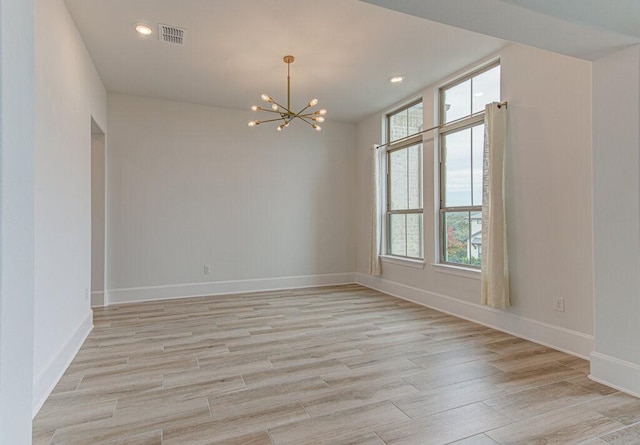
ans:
(152, 293)
(556, 337)
(47, 379)
(616, 373)
(97, 299)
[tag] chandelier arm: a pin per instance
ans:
(284, 108)
(306, 121)
(300, 112)
(269, 111)
(271, 120)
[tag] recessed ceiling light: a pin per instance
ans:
(396, 79)
(143, 29)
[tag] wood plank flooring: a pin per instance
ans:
(339, 365)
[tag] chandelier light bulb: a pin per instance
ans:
(255, 107)
(280, 127)
(319, 119)
(322, 112)
(253, 123)
(317, 127)
(313, 102)
(266, 98)
(274, 107)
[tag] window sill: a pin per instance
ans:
(459, 271)
(408, 262)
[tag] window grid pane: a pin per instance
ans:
(414, 235)
(475, 239)
(477, 154)
(486, 89)
(414, 176)
(398, 234)
(457, 168)
(457, 101)
(456, 240)
(414, 119)
(406, 235)
(398, 125)
(398, 180)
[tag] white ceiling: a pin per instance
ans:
(618, 16)
(345, 51)
(586, 29)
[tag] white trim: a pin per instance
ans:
(495, 58)
(97, 298)
(556, 337)
(407, 262)
(616, 373)
(465, 272)
(150, 293)
(47, 379)
(413, 99)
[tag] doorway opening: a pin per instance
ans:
(98, 226)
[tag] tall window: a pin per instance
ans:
(404, 182)
(462, 105)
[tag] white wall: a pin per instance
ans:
(16, 219)
(190, 185)
(549, 210)
(98, 218)
(616, 143)
(68, 94)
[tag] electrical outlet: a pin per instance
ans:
(206, 269)
(558, 304)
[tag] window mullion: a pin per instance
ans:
(407, 170)
(471, 158)
(462, 209)
(472, 121)
(469, 233)
(417, 139)
(406, 238)
(406, 212)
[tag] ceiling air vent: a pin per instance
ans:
(171, 34)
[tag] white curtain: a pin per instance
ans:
(495, 273)
(376, 223)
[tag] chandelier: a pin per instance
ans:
(285, 115)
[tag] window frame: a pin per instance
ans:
(393, 146)
(444, 129)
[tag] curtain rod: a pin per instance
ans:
(500, 105)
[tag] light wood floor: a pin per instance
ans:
(335, 366)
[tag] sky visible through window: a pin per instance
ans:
(472, 95)
(465, 147)
(464, 184)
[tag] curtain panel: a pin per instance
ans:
(375, 268)
(495, 271)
